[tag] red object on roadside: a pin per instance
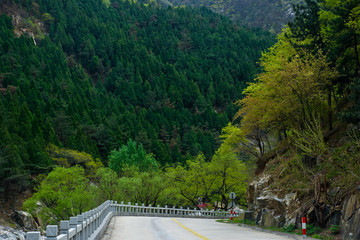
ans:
(231, 215)
(304, 226)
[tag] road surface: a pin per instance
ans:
(162, 228)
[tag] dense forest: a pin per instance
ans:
(133, 101)
(270, 15)
(102, 74)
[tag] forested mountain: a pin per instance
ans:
(102, 73)
(267, 14)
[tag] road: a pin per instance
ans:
(158, 228)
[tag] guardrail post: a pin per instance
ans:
(188, 211)
(32, 236)
(142, 208)
(166, 211)
(80, 219)
(174, 210)
(64, 228)
(92, 221)
(87, 227)
(73, 224)
(149, 211)
(51, 232)
(130, 208)
(157, 211)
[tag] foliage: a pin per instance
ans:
(107, 72)
(200, 182)
(131, 155)
(107, 183)
(69, 158)
(266, 14)
(289, 229)
(335, 229)
(288, 91)
(231, 176)
(193, 181)
(142, 187)
(311, 229)
(64, 193)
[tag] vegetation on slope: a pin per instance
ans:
(267, 14)
(107, 73)
(305, 98)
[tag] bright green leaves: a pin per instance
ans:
(211, 181)
(69, 158)
(65, 192)
(292, 87)
(131, 155)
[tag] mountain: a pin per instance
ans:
(267, 14)
(90, 75)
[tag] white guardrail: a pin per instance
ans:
(92, 224)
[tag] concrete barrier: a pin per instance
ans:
(92, 224)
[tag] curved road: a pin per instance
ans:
(159, 228)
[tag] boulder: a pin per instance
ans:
(350, 219)
(24, 220)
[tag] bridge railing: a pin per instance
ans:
(92, 224)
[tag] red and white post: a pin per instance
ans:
(304, 227)
(231, 215)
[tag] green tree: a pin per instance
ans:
(129, 155)
(142, 187)
(107, 182)
(65, 192)
(292, 87)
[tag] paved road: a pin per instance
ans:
(158, 228)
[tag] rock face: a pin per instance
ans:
(11, 234)
(350, 218)
(271, 208)
(24, 220)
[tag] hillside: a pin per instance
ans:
(101, 74)
(267, 14)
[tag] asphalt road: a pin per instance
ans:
(158, 228)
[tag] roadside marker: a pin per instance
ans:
(304, 227)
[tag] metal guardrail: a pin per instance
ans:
(92, 224)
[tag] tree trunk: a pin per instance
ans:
(357, 67)
(330, 110)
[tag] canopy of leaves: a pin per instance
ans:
(132, 155)
(69, 158)
(293, 86)
(65, 192)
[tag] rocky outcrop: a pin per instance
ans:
(271, 208)
(11, 234)
(350, 218)
(24, 220)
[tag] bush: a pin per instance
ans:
(289, 229)
(311, 229)
(335, 229)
